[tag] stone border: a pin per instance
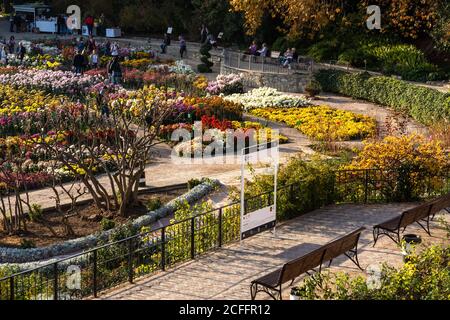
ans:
(11, 256)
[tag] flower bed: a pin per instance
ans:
(321, 123)
(52, 81)
(267, 97)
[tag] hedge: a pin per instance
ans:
(423, 104)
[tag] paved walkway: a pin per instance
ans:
(228, 272)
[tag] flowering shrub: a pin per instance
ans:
(412, 163)
(321, 123)
(214, 106)
(181, 68)
(52, 81)
(226, 84)
(19, 100)
(137, 63)
(267, 97)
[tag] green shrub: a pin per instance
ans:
(107, 224)
(35, 212)
(154, 204)
(426, 276)
(425, 105)
(27, 244)
(313, 183)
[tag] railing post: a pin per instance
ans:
(366, 186)
(193, 238)
(220, 227)
(11, 289)
(130, 260)
(250, 58)
(94, 275)
(55, 281)
(239, 61)
(163, 249)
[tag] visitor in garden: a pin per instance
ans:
(115, 70)
(183, 47)
(115, 49)
(253, 49)
(93, 59)
(101, 25)
(17, 22)
(78, 62)
(81, 45)
(12, 19)
(89, 21)
(3, 55)
(91, 44)
(21, 51)
(263, 52)
(12, 44)
(60, 22)
(166, 43)
(203, 34)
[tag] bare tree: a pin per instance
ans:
(111, 141)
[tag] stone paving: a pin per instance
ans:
(227, 273)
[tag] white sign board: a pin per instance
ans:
(169, 30)
(258, 219)
(264, 218)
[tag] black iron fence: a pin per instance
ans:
(246, 62)
(89, 273)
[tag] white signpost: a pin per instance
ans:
(264, 218)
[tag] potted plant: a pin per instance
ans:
(297, 293)
(313, 88)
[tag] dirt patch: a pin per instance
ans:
(51, 229)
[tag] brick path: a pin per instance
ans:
(228, 272)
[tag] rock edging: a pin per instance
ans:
(29, 258)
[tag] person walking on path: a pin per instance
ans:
(21, 51)
(183, 47)
(115, 70)
(12, 19)
(203, 34)
(93, 60)
(165, 44)
(78, 62)
(12, 44)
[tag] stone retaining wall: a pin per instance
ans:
(294, 82)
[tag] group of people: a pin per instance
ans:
(167, 41)
(9, 47)
(254, 50)
(87, 57)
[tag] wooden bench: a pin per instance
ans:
(422, 215)
(272, 282)
(440, 204)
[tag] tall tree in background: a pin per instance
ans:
(408, 18)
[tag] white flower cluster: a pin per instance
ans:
(265, 97)
(181, 68)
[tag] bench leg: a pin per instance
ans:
(253, 290)
(353, 256)
(376, 234)
(426, 227)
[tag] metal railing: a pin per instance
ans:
(245, 62)
(87, 274)
(375, 186)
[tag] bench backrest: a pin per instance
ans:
(440, 204)
(293, 269)
(415, 214)
(342, 245)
